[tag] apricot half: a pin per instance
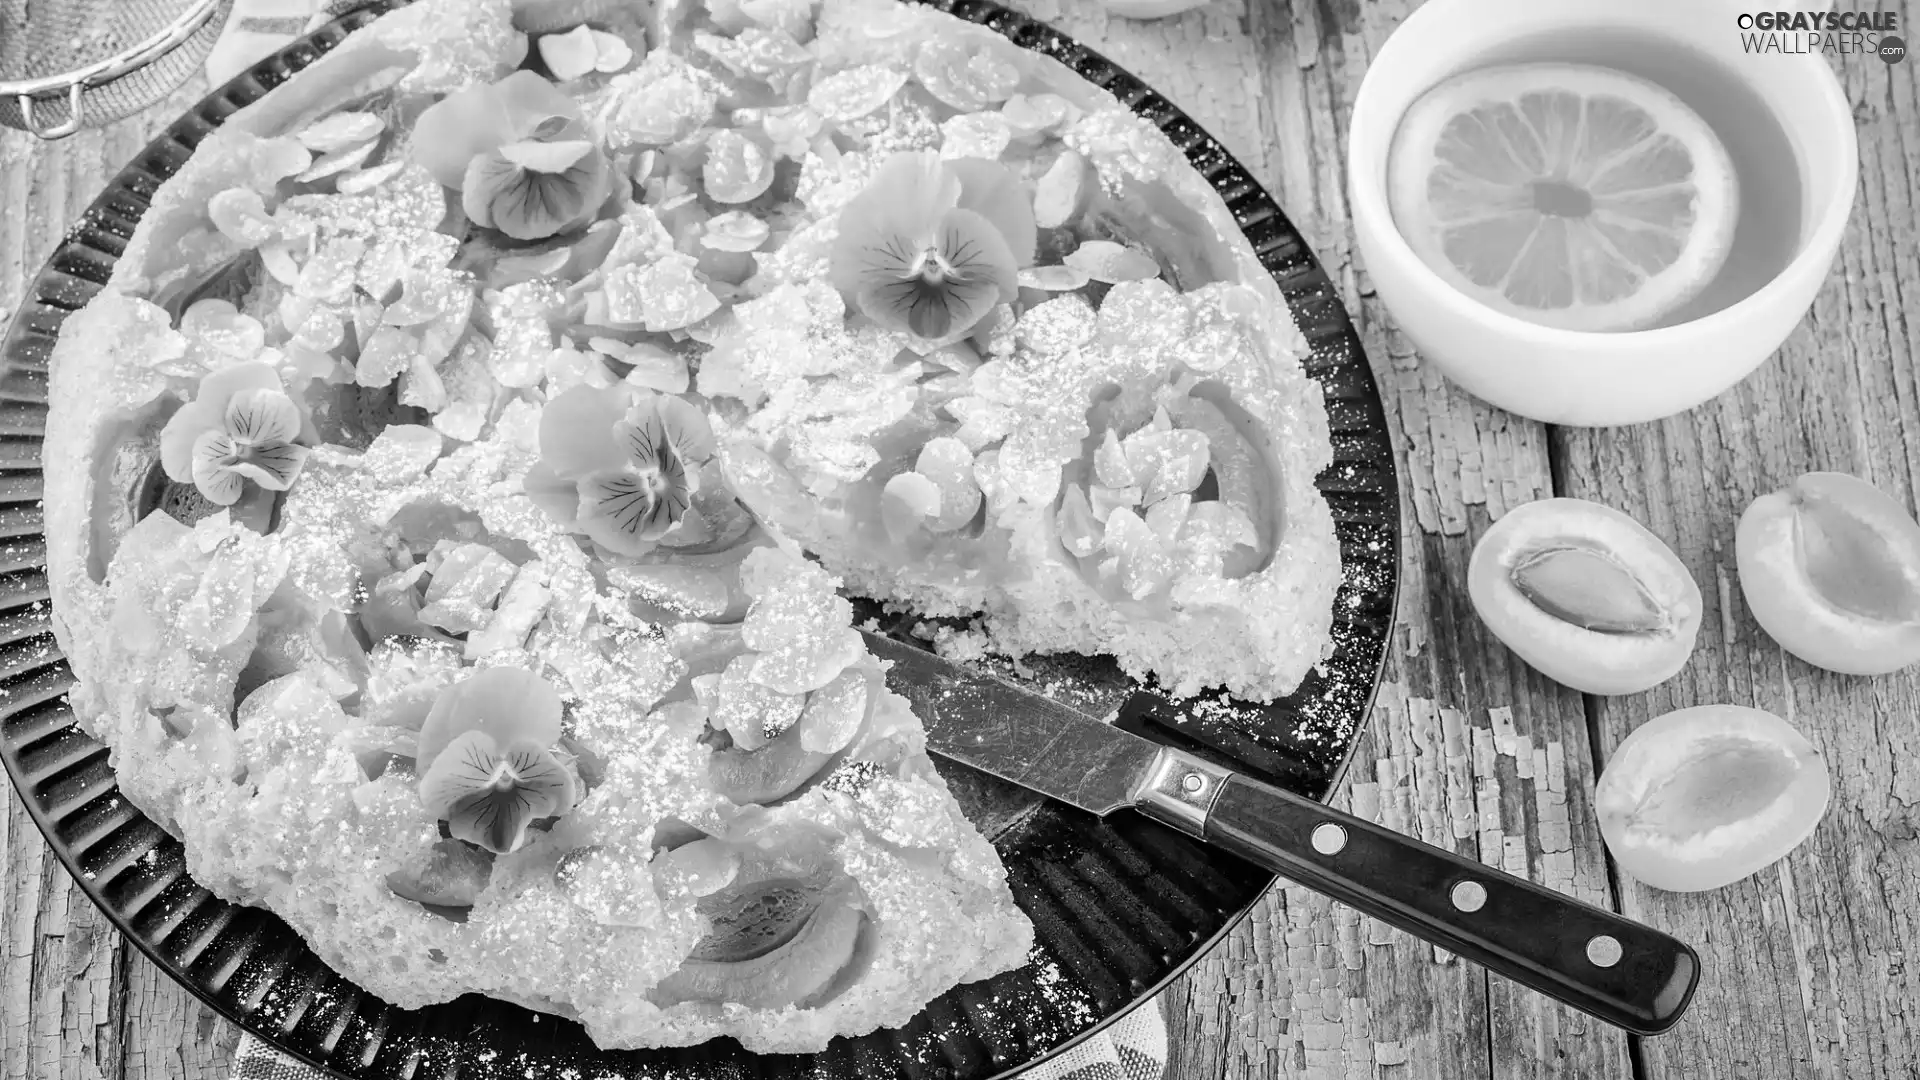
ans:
(1585, 595)
(1702, 797)
(1830, 566)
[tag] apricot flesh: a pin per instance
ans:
(1830, 567)
(802, 963)
(1585, 595)
(1703, 797)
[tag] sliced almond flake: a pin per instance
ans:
(665, 296)
(516, 269)
(364, 180)
(1168, 516)
(1104, 260)
(570, 55)
(421, 386)
(241, 216)
(279, 264)
(907, 503)
(855, 92)
(1075, 524)
(964, 72)
(1063, 192)
(975, 135)
(737, 169)
(384, 356)
(438, 339)
(658, 103)
(522, 330)
(982, 422)
(611, 53)
(1145, 565)
(1058, 326)
(465, 587)
(330, 274)
(1105, 500)
(1110, 465)
(401, 454)
(1053, 278)
(521, 608)
(426, 294)
(735, 230)
(749, 711)
(1035, 114)
(834, 713)
(341, 131)
(337, 162)
(322, 329)
(791, 129)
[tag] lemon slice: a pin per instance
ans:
(1574, 196)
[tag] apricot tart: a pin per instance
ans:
(450, 498)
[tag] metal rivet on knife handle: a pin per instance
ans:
(1181, 789)
(1329, 838)
(1604, 951)
(1469, 896)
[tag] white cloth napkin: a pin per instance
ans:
(1133, 1048)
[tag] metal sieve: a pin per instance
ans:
(69, 64)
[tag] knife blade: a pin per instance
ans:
(1625, 973)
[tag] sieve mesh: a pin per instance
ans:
(110, 58)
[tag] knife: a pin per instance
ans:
(1611, 967)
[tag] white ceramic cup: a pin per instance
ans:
(1573, 377)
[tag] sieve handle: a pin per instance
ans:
(75, 109)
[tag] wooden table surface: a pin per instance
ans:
(1807, 973)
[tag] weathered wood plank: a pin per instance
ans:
(1807, 966)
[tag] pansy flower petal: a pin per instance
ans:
(991, 190)
(526, 204)
(975, 272)
(511, 704)
(182, 433)
(643, 436)
(686, 427)
(274, 466)
(257, 415)
(558, 497)
(627, 511)
(214, 455)
(536, 107)
(468, 764)
(576, 430)
(218, 387)
(454, 130)
(488, 796)
(546, 157)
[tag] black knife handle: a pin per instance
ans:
(1624, 973)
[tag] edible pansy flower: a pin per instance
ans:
(518, 153)
(487, 767)
(931, 246)
(240, 426)
(531, 190)
(621, 465)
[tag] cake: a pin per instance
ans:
(454, 495)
